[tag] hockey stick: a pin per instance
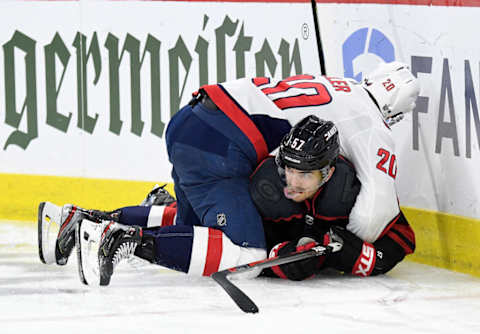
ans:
(239, 297)
(318, 38)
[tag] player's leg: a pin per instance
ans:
(148, 216)
(195, 250)
(212, 162)
(192, 246)
(217, 223)
(56, 224)
(229, 233)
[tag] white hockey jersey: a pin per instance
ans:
(365, 139)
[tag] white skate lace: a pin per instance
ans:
(124, 251)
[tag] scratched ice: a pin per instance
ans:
(413, 298)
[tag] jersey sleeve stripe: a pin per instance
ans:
(406, 233)
(407, 246)
(239, 117)
(285, 219)
(330, 218)
(389, 225)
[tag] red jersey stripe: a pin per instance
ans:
(406, 231)
(399, 241)
(287, 219)
(389, 226)
(233, 111)
(330, 218)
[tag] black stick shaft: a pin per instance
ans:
(321, 57)
(239, 297)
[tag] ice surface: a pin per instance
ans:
(412, 298)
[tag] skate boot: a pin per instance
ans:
(71, 215)
(58, 248)
(158, 196)
(118, 243)
(101, 247)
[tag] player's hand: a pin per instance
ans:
(299, 270)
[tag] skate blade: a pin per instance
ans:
(49, 217)
(87, 240)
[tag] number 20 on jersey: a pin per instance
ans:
(387, 163)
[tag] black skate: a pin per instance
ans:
(101, 246)
(58, 249)
(158, 196)
(118, 243)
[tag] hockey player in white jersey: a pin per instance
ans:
(216, 142)
(363, 113)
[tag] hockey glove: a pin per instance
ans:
(357, 257)
(300, 270)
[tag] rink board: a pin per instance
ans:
(443, 240)
(62, 142)
(23, 193)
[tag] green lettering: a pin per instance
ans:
(265, 57)
(243, 44)
(24, 43)
(178, 54)
(287, 62)
(227, 28)
(84, 121)
(55, 50)
(132, 46)
(152, 46)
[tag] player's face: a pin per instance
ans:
(301, 185)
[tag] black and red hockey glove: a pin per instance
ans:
(299, 270)
(356, 257)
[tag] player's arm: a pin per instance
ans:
(376, 207)
(356, 257)
(362, 258)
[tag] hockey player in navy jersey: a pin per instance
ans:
(217, 140)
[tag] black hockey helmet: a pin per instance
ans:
(310, 145)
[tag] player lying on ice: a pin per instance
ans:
(215, 143)
(305, 195)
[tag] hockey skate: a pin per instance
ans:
(158, 196)
(56, 227)
(101, 247)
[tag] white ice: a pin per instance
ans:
(412, 298)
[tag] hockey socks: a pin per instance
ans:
(195, 250)
(149, 216)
